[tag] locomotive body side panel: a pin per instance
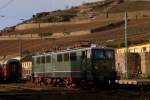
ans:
(81, 64)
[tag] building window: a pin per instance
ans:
(24, 64)
(144, 49)
(136, 50)
(131, 50)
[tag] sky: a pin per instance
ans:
(13, 11)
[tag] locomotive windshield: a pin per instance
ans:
(103, 54)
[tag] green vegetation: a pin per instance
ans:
(131, 6)
(63, 18)
(45, 34)
(66, 33)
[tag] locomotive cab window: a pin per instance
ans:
(109, 54)
(66, 57)
(48, 59)
(59, 58)
(98, 54)
(103, 54)
(73, 56)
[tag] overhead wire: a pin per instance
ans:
(7, 4)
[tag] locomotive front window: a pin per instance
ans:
(98, 54)
(109, 54)
(103, 54)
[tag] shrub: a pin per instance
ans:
(45, 34)
(66, 33)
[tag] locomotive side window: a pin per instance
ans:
(48, 59)
(66, 57)
(59, 58)
(53, 58)
(38, 60)
(73, 56)
(43, 59)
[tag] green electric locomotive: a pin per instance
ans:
(73, 66)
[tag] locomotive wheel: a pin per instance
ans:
(57, 82)
(35, 80)
(48, 81)
(38, 81)
(54, 82)
(60, 83)
(68, 82)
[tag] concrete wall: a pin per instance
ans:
(144, 51)
(27, 26)
(84, 32)
(20, 36)
(132, 68)
(54, 35)
(76, 33)
(57, 35)
(145, 64)
(42, 25)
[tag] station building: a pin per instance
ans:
(26, 67)
(135, 49)
(138, 62)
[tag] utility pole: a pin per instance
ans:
(20, 46)
(126, 45)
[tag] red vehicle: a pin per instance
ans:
(10, 69)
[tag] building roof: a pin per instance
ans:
(142, 44)
(27, 58)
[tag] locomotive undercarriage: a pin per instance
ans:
(70, 82)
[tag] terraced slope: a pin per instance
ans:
(107, 31)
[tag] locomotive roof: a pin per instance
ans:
(72, 50)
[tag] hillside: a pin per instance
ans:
(106, 28)
(131, 6)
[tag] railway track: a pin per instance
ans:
(5, 88)
(98, 95)
(115, 92)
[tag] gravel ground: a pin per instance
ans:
(29, 91)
